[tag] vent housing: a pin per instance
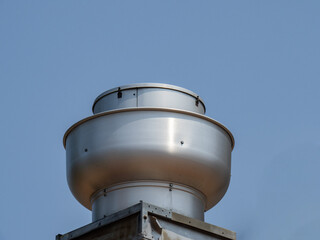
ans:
(148, 142)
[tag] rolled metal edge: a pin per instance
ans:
(149, 109)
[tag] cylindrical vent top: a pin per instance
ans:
(148, 95)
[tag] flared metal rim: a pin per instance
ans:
(149, 109)
(149, 85)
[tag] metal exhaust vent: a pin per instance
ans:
(148, 142)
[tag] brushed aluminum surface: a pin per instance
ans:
(176, 197)
(148, 95)
(150, 144)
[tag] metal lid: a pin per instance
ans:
(140, 96)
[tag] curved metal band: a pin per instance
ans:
(150, 183)
(149, 109)
(149, 85)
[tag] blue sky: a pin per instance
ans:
(255, 63)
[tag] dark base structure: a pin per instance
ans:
(144, 221)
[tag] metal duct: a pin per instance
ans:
(149, 142)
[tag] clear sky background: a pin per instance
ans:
(255, 63)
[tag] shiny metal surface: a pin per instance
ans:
(182, 199)
(149, 144)
(149, 95)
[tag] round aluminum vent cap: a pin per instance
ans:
(148, 95)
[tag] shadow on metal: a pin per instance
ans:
(144, 221)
